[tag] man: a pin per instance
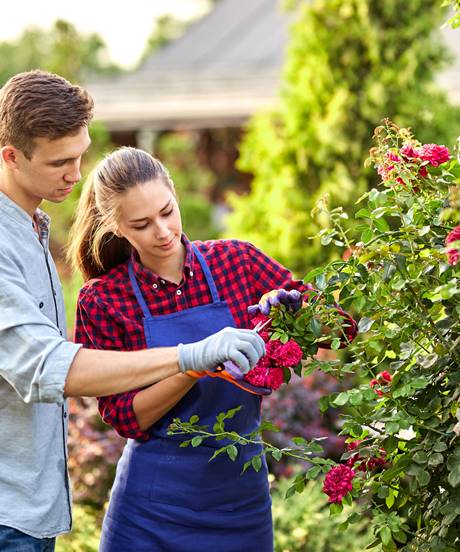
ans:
(43, 135)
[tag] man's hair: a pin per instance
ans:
(38, 104)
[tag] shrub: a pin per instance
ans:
(303, 523)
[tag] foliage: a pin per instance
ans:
(403, 427)
(193, 183)
(399, 279)
(294, 409)
(85, 531)
(349, 64)
(454, 21)
(94, 449)
(303, 523)
(61, 49)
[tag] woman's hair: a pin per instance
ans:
(93, 248)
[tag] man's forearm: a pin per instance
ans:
(98, 373)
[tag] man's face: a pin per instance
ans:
(53, 169)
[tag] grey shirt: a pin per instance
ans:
(34, 360)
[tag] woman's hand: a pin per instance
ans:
(243, 347)
(291, 299)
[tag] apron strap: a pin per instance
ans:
(137, 291)
(207, 274)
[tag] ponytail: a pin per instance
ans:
(92, 248)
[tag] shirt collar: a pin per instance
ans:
(146, 275)
(22, 217)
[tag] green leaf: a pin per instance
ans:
(335, 344)
(277, 454)
(312, 274)
(341, 399)
(423, 477)
(196, 441)
(454, 477)
(232, 452)
(420, 457)
(385, 535)
(194, 419)
(390, 499)
(365, 324)
(363, 213)
(392, 427)
(256, 462)
(299, 441)
(335, 509)
(316, 327)
(435, 459)
(321, 282)
(381, 224)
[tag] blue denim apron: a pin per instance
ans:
(167, 498)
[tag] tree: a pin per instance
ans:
(349, 64)
(62, 49)
(454, 21)
(168, 27)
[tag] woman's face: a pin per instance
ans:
(149, 218)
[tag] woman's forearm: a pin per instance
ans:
(151, 404)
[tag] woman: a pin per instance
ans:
(148, 285)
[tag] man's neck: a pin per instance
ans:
(14, 192)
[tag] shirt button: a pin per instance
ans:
(191, 273)
(179, 292)
(41, 305)
(162, 281)
(155, 286)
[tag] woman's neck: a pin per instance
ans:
(170, 268)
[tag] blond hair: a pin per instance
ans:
(93, 247)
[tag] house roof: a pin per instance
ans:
(225, 67)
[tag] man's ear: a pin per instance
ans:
(9, 156)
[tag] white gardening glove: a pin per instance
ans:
(242, 347)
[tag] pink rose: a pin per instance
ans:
(284, 354)
(410, 152)
(453, 254)
(265, 375)
(338, 482)
(434, 154)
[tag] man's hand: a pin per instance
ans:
(291, 299)
(243, 347)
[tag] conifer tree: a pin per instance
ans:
(349, 64)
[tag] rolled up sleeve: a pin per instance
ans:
(34, 357)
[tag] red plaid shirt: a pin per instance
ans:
(109, 316)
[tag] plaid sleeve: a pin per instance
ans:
(269, 274)
(96, 329)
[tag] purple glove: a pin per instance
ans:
(291, 299)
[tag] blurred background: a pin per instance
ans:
(260, 109)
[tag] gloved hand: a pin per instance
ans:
(242, 347)
(291, 299)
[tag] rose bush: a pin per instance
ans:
(400, 276)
